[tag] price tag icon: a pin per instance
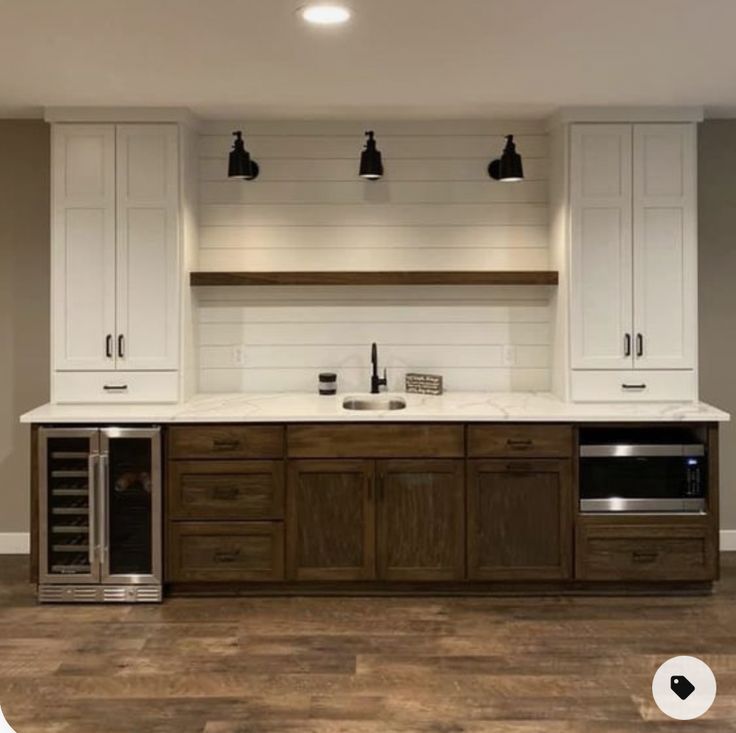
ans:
(681, 686)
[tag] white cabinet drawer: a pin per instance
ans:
(634, 386)
(115, 387)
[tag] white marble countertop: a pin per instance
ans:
(451, 407)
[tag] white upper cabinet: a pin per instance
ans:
(83, 250)
(601, 256)
(633, 291)
(147, 247)
(665, 246)
(116, 269)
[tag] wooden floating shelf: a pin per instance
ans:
(394, 277)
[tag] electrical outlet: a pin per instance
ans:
(239, 355)
(509, 355)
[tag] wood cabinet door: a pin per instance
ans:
(330, 520)
(421, 520)
(519, 519)
(665, 246)
(83, 247)
(601, 257)
(147, 247)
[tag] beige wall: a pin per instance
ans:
(24, 303)
(717, 228)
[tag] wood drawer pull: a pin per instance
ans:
(223, 556)
(517, 444)
(226, 493)
(641, 556)
(225, 444)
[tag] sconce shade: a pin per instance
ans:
(371, 165)
(241, 165)
(508, 167)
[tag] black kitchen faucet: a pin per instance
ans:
(376, 381)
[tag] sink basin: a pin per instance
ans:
(374, 403)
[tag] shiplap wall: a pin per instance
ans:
(436, 208)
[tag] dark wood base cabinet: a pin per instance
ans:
(416, 508)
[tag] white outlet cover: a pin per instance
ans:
(509, 355)
(238, 360)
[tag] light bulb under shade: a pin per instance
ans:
(325, 14)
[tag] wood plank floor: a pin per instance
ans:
(352, 665)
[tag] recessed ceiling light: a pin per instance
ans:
(325, 13)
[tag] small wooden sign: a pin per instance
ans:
(424, 384)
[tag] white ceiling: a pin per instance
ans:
(448, 58)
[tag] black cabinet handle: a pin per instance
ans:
(115, 387)
(520, 467)
(225, 493)
(225, 556)
(627, 344)
(634, 386)
(121, 346)
(225, 444)
(108, 346)
(642, 556)
(639, 345)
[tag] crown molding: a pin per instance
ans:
(568, 115)
(178, 115)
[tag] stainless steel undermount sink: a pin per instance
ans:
(373, 402)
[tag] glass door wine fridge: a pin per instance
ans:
(100, 514)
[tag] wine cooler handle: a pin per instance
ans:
(103, 488)
(92, 507)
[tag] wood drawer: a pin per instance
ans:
(115, 387)
(623, 551)
(226, 441)
(512, 441)
(375, 441)
(641, 385)
(233, 490)
(226, 551)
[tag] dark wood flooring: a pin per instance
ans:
(353, 665)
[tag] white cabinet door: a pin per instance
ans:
(665, 246)
(83, 247)
(147, 247)
(601, 256)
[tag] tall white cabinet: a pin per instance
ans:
(632, 261)
(115, 262)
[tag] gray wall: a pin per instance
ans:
(24, 303)
(24, 288)
(717, 262)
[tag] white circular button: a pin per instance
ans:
(684, 688)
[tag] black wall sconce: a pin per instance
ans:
(241, 165)
(508, 167)
(371, 165)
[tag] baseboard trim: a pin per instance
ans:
(17, 543)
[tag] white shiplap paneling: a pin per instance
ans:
(285, 336)
(436, 208)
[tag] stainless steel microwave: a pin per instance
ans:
(632, 477)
